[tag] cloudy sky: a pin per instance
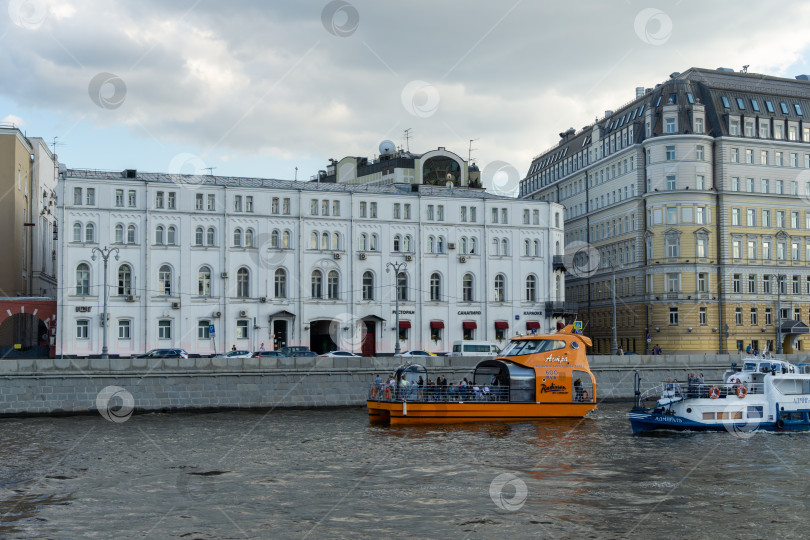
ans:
(258, 88)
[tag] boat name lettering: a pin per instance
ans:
(670, 419)
(801, 400)
(469, 313)
(553, 388)
(552, 358)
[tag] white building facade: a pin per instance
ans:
(207, 263)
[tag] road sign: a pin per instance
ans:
(211, 329)
(577, 325)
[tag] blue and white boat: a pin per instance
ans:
(765, 394)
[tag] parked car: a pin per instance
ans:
(163, 353)
(303, 353)
(288, 351)
(340, 354)
(235, 354)
(266, 354)
(408, 354)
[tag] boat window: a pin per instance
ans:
(797, 415)
(583, 390)
(722, 415)
(520, 348)
(750, 366)
(755, 412)
(708, 415)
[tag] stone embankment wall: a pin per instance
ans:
(68, 386)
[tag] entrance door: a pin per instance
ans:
(280, 331)
(369, 347)
(320, 340)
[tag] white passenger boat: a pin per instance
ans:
(764, 394)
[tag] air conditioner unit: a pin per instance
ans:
(224, 275)
(451, 245)
(336, 255)
(408, 257)
(262, 299)
(243, 313)
(361, 256)
(216, 314)
(130, 298)
(462, 259)
(175, 305)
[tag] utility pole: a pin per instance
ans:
(105, 253)
(398, 267)
(615, 340)
(779, 278)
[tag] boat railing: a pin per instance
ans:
(432, 393)
(674, 390)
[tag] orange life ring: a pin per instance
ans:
(387, 393)
(585, 396)
(714, 392)
(742, 391)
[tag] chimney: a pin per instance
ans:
(639, 91)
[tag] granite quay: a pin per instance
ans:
(74, 386)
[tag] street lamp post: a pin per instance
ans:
(779, 278)
(105, 253)
(615, 340)
(398, 267)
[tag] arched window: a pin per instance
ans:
(335, 241)
(249, 238)
(274, 239)
(199, 236)
(124, 280)
(406, 243)
(467, 288)
(333, 285)
(159, 233)
(557, 219)
(531, 288)
(324, 241)
(210, 236)
(397, 242)
(77, 232)
(440, 244)
(473, 245)
(373, 244)
(559, 287)
(430, 244)
(504, 247)
(285, 240)
(204, 281)
(364, 242)
(402, 286)
(557, 248)
(83, 279)
(463, 245)
(90, 233)
(537, 248)
(500, 288)
(119, 234)
(496, 246)
(165, 280)
(171, 236)
(317, 284)
(281, 283)
(243, 283)
(313, 240)
(368, 286)
(526, 247)
(131, 234)
(237, 237)
(435, 287)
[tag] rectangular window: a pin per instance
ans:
(751, 217)
(735, 283)
(735, 155)
(735, 183)
(763, 157)
(285, 209)
(672, 215)
(372, 210)
(749, 156)
(766, 218)
(671, 183)
(780, 219)
(159, 199)
(734, 127)
(324, 208)
(203, 330)
(165, 329)
(494, 215)
(430, 212)
(82, 329)
(768, 316)
(703, 316)
(753, 316)
(407, 213)
(336, 208)
(131, 201)
(794, 220)
(363, 209)
(237, 203)
(119, 197)
(749, 184)
(397, 211)
(752, 249)
(736, 249)
(698, 125)
(124, 329)
(670, 126)
(766, 250)
(241, 329)
(749, 128)
(313, 207)
(752, 283)
(778, 159)
(212, 202)
(504, 216)
(700, 152)
(673, 316)
(249, 203)
(764, 131)
(702, 279)
(670, 153)
(91, 196)
(172, 200)
(199, 201)
(526, 216)
(738, 316)
(735, 216)
(77, 196)
(700, 215)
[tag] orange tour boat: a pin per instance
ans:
(535, 376)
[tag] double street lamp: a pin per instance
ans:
(105, 253)
(615, 348)
(398, 267)
(779, 280)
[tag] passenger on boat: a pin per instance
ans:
(578, 390)
(420, 388)
(442, 383)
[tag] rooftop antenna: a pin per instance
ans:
(54, 144)
(210, 170)
(408, 139)
(470, 151)
(745, 68)
(296, 174)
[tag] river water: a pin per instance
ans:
(329, 474)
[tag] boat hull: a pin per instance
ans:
(643, 421)
(439, 413)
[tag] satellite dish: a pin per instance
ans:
(387, 148)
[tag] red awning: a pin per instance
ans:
(532, 325)
(469, 325)
(404, 324)
(501, 325)
(436, 324)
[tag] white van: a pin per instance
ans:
(474, 348)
